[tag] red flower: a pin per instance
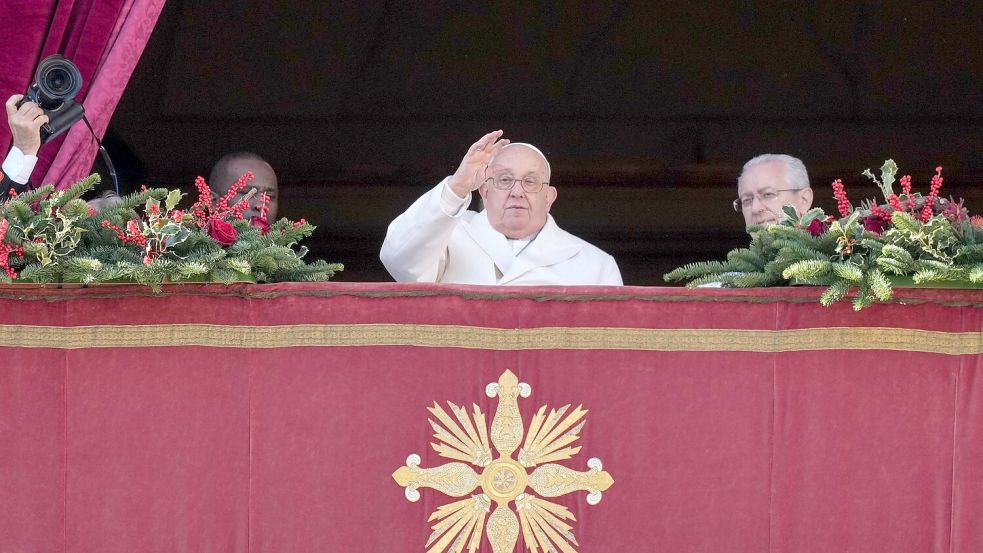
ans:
(261, 223)
(817, 227)
(874, 224)
(222, 232)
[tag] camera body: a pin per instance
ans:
(56, 83)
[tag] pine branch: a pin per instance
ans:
(892, 266)
(970, 252)
(80, 269)
(799, 252)
(126, 209)
(928, 275)
(696, 270)
(899, 255)
(74, 192)
(745, 260)
(18, 212)
(848, 271)
(36, 195)
(317, 271)
(36, 272)
(794, 235)
(807, 270)
(863, 299)
(905, 222)
(879, 285)
(836, 291)
(752, 280)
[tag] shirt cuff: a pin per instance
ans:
(18, 166)
(450, 203)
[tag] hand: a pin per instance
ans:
(25, 124)
(468, 176)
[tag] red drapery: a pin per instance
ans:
(270, 418)
(104, 38)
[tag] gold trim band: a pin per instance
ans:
(497, 339)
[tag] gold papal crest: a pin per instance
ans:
(503, 479)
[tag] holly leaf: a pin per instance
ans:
(888, 170)
(151, 202)
(180, 236)
(173, 197)
(791, 213)
(812, 215)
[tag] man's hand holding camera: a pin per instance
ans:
(47, 109)
(25, 124)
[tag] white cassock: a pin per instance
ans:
(437, 241)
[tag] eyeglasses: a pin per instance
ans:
(506, 182)
(766, 196)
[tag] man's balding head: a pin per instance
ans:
(231, 167)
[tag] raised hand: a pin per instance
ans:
(469, 174)
(25, 124)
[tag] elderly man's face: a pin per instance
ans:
(264, 180)
(516, 213)
(763, 190)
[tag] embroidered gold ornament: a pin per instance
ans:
(504, 479)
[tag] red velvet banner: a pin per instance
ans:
(271, 418)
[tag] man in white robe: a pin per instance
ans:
(513, 241)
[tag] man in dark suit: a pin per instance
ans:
(25, 126)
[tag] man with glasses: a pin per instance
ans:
(514, 240)
(767, 183)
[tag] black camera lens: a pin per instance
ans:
(58, 80)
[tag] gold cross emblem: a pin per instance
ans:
(504, 480)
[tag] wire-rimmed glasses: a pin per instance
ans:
(505, 181)
(745, 202)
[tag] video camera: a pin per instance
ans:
(56, 83)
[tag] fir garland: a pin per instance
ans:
(927, 239)
(55, 237)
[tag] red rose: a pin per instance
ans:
(222, 232)
(817, 227)
(261, 223)
(874, 224)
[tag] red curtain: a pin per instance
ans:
(270, 418)
(23, 29)
(86, 32)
